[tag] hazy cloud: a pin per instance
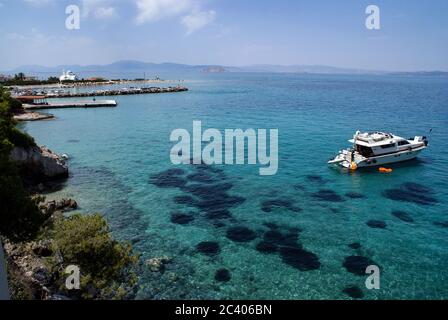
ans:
(100, 9)
(192, 15)
(38, 2)
(154, 10)
(197, 20)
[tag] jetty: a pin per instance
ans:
(48, 94)
(33, 101)
(72, 104)
(117, 92)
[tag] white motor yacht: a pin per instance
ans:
(379, 148)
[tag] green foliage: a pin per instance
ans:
(19, 76)
(19, 218)
(20, 79)
(85, 241)
(8, 106)
(53, 79)
(21, 139)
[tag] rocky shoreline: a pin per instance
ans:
(28, 271)
(36, 267)
(27, 262)
(39, 165)
(32, 116)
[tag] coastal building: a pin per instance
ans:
(30, 78)
(68, 76)
(32, 99)
(4, 77)
(95, 79)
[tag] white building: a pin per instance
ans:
(68, 76)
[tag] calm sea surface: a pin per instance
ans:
(279, 237)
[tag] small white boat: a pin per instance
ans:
(379, 148)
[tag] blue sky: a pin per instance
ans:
(413, 34)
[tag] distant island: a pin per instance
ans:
(143, 69)
(214, 69)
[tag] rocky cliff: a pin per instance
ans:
(39, 163)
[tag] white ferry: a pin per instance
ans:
(68, 76)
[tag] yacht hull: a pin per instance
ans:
(385, 159)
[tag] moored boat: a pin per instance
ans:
(378, 148)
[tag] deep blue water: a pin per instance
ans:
(300, 221)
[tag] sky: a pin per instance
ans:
(413, 34)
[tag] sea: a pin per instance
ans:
(308, 232)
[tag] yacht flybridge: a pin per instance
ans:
(379, 148)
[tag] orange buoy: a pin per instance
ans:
(385, 170)
(353, 166)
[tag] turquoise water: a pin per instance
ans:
(116, 154)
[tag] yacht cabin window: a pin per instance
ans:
(387, 146)
(364, 151)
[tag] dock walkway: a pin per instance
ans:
(72, 104)
(118, 92)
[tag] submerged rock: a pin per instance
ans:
(208, 248)
(171, 178)
(266, 247)
(354, 195)
(416, 187)
(299, 187)
(181, 218)
(404, 216)
(202, 177)
(315, 178)
(223, 275)
(355, 245)
(218, 214)
(240, 234)
(299, 258)
(207, 190)
(269, 205)
(354, 292)
(378, 224)
(158, 264)
(411, 192)
(357, 264)
(327, 195)
(271, 225)
(443, 224)
(188, 200)
(281, 239)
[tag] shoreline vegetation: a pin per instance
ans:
(42, 238)
(21, 81)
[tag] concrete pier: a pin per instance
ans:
(118, 92)
(72, 104)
